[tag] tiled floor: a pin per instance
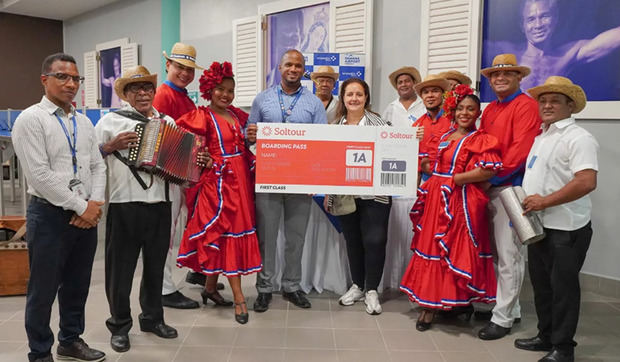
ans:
(327, 332)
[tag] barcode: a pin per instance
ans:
(358, 174)
(393, 179)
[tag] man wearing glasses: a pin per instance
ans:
(66, 179)
(138, 216)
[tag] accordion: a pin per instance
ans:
(167, 151)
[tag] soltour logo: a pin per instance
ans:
(282, 131)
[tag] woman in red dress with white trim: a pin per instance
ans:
(452, 266)
(220, 237)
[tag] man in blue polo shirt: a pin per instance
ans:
(287, 102)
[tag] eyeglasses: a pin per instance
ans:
(64, 77)
(136, 87)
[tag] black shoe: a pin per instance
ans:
(47, 358)
(420, 324)
(200, 279)
(483, 315)
(120, 343)
(298, 298)
(533, 344)
(456, 312)
(216, 298)
(242, 318)
(261, 304)
(79, 351)
(493, 331)
(558, 355)
(160, 329)
(179, 301)
(195, 278)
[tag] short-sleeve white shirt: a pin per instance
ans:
(560, 151)
(398, 116)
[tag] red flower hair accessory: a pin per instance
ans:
(453, 97)
(213, 76)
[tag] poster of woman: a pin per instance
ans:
(578, 39)
(304, 29)
(109, 72)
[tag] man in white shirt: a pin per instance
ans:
(325, 79)
(138, 217)
(407, 108)
(561, 171)
(66, 179)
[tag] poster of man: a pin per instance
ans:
(304, 29)
(109, 72)
(578, 39)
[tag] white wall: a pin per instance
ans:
(602, 259)
(138, 20)
(206, 24)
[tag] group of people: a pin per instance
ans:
(464, 248)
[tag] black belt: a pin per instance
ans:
(41, 200)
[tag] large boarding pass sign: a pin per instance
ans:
(333, 159)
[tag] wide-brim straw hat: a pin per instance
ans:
(183, 54)
(562, 85)
(412, 71)
(456, 75)
(432, 80)
(506, 62)
(324, 71)
(137, 74)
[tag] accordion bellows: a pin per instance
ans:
(167, 151)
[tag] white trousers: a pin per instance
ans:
(509, 262)
(177, 227)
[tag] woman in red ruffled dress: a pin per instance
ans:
(220, 237)
(452, 266)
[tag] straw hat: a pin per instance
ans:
(183, 54)
(456, 75)
(324, 71)
(134, 75)
(412, 71)
(433, 80)
(505, 62)
(562, 85)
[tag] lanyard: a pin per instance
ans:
(72, 147)
(289, 111)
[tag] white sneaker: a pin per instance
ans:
(372, 303)
(352, 295)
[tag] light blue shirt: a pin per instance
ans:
(308, 109)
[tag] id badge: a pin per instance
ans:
(78, 189)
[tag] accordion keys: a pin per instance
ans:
(167, 151)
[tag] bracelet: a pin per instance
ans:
(104, 154)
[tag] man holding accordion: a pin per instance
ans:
(138, 216)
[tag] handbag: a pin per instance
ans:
(338, 205)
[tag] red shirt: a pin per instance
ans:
(172, 100)
(515, 122)
(433, 128)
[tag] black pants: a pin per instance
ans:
(554, 265)
(365, 232)
(130, 228)
(61, 260)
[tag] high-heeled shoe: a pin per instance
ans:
(216, 298)
(420, 324)
(242, 318)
